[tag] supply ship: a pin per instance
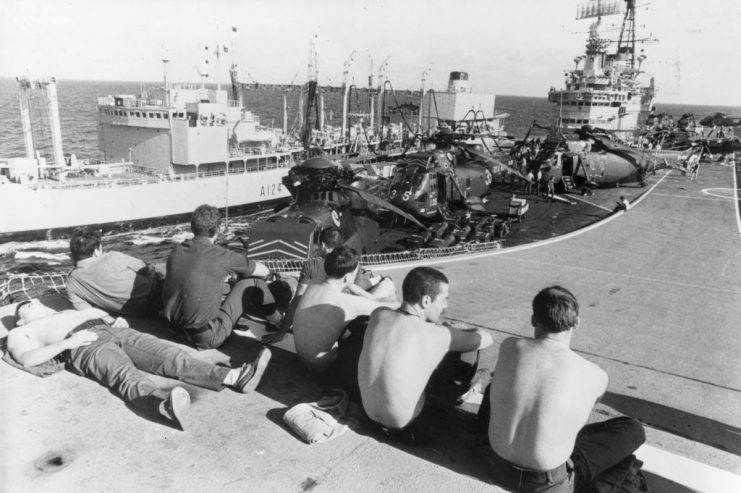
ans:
(603, 89)
(165, 153)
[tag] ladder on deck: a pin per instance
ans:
(568, 183)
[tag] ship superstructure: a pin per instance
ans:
(461, 110)
(165, 153)
(603, 89)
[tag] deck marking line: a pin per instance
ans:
(609, 358)
(631, 276)
(736, 206)
(527, 246)
(590, 203)
(713, 198)
(687, 472)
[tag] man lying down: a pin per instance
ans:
(114, 356)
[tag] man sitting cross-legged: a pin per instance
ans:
(542, 393)
(196, 274)
(325, 310)
(402, 348)
(113, 357)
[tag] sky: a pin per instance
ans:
(514, 47)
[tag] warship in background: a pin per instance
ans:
(606, 91)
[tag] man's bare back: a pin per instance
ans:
(402, 352)
(541, 396)
(322, 314)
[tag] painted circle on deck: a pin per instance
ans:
(723, 193)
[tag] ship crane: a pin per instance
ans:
(425, 73)
(346, 91)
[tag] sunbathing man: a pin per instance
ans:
(113, 357)
(325, 310)
(542, 393)
(112, 281)
(312, 272)
(403, 347)
(196, 274)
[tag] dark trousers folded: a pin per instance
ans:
(251, 295)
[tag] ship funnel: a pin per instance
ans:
(458, 82)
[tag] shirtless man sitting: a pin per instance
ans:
(403, 347)
(114, 356)
(325, 310)
(542, 393)
(312, 272)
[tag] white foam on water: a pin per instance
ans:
(32, 254)
(16, 246)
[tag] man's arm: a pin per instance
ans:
(27, 353)
(465, 340)
(358, 306)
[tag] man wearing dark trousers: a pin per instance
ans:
(541, 396)
(195, 283)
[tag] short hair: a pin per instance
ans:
(555, 308)
(206, 221)
(17, 314)
(332, 237)
(83, 243)
(340, 261)
(421, 282)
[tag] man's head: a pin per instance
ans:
(342, 262)
(206, 221)
(84, 243)
(555, 309)
(30, 310)
(330, 239)
(426, 288)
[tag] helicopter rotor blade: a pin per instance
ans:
(491, 160)
(378, 201)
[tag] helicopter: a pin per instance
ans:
(325, 194)
(720, 120)
(438, 194)
(590, 158)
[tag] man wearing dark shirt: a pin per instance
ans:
(196, 274)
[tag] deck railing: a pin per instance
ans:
(18, 286)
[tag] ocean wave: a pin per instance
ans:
(23, 246)
(45, 256)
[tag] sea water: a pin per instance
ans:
(77, 109)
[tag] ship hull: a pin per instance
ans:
(42, 211)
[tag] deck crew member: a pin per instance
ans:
(113, 281)
(195, 282)
(541, 395)
(312, 272)
(403, 347)
(326, 310)
(113, 357)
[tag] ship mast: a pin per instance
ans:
(629, 25)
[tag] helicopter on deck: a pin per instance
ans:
(436, 198)
(588, 158)
(325, 194)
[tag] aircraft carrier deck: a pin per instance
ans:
(660, 295)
